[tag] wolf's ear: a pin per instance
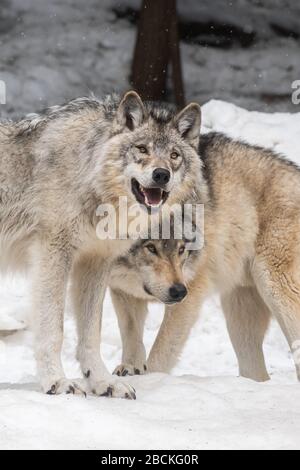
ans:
(188, 122)
(131, 111)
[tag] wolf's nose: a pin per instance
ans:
(178, 292)
(161, 176)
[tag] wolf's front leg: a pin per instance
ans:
(174, 331)
(131, 313)
(49, 290)
(89, 282)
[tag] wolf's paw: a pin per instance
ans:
(115, 389)
(129, 369)
(65, 386)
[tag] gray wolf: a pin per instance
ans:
(56, 168)
(152, 270)
(251, 257)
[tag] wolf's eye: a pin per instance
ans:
(142, 149)
(152, 249)
(175, 155)
(181, 250)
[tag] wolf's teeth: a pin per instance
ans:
(155, 206)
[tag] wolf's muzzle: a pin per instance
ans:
(161, 176)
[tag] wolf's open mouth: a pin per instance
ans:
(151, 197)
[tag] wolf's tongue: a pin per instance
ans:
(153, 196)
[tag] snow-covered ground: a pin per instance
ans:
(202, 405)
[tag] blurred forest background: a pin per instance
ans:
(243, 51)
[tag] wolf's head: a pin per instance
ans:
(158, 150)
(163, 268)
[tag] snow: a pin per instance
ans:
(202, 405)
(52, 51)
(256, 76)
(278, 131)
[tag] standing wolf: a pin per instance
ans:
(55, 170)
(251, 257)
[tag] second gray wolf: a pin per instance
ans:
(251, 257)
(56, 169)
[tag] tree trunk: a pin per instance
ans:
(157, 46)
